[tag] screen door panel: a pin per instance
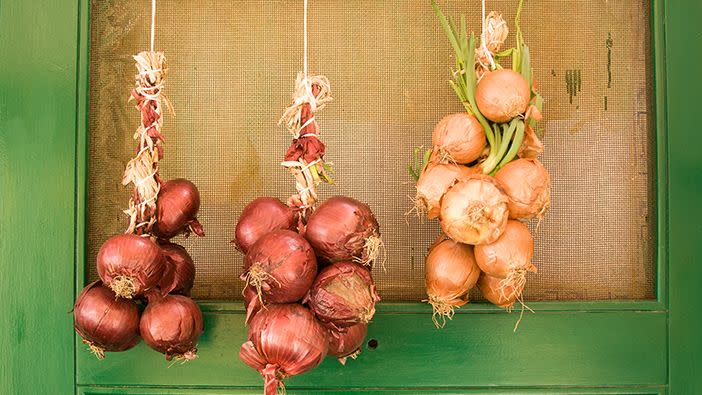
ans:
(232, 67)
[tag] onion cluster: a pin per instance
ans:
(310, 293)
(482, 177)
(140, 270)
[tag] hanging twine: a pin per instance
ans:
(142, 170)
(305, 157)
(493, 36)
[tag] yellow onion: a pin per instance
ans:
(528, 187)
(459, 138)
(474, 210)
(508, 258)
(502, 95)
(451, 271)
(498, 294)
(433, 183)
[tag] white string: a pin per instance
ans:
(304, 24)
(482, 38)
(153, 22)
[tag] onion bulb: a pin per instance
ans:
(260, 217)
(347, 344)
(502, 95)
(343, 295)
(281, 266)
(344, 229)
(433, 183)
(179, 274)
(104, 321)
(176, 209)
(284, 340)
(459, 138)
(499, 294)
(451, 271)
(509, 257)
(130, 265)
(474, 210)
(528, 187)
(172, 325)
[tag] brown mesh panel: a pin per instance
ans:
(231, 71)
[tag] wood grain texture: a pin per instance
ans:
(683, 53)
(474, 350)
(38, 42)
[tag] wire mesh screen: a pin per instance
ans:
(232, 65)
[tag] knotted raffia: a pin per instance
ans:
(311, 94)
(142, 170)
(494, 34)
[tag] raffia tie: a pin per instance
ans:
(492, 38)
(142, 170)
(306, 181)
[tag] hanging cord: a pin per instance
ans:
(153, 23)
(304, 25)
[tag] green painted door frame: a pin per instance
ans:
(642, 347)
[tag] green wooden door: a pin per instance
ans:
(630, 347)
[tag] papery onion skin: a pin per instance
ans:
(347, 344)
(502, 95)
(450, 272)
(252, 302)
(513, 251)
(342, 229)
(130, 265)
(433, 183)
(474, 210)
(172, 326)
(282, 264)
(459, 138)
(493, 290)
(105, 322)
(343, 295)
(528, 187)
(531, 146)
(260, 217)
(181, 264)
(176, 209)
(284, 340)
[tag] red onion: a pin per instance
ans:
(347, 344)
(343, 295)
(281, 266)
(104, 321)
(179, 274)
(130, 265)
(261, 217)
(344, 229)
(284, 340)
(172, 325)
(176, 209)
